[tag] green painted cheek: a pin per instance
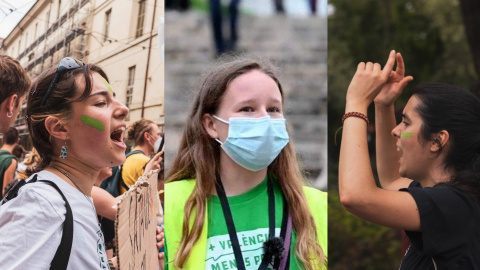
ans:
(93, 122)
(107, 85)
(407, 134)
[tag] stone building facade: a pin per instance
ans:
(119, 36)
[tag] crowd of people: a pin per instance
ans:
(76, 126)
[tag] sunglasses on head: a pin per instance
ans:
(67, 63)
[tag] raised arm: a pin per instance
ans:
(9, 175)
(358, 191)
(386, 149)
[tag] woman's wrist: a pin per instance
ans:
(352, 106)
(381, 105)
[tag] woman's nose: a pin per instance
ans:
(396, 131)
(122, 110)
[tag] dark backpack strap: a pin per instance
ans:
(134, 152)
(7, 153)
(121, 178)
(60, 260)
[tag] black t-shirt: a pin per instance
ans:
(450, 236)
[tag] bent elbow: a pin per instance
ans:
(346, 201)
(350, 203)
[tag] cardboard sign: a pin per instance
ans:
(136, 224)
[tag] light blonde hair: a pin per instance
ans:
(197, 150)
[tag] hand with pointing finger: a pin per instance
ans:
(154, 163)
(395, 84)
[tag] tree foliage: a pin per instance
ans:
(431, 37)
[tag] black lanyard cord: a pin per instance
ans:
(283, 232)
(230, 225)
(274, 246)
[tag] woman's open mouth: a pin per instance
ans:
(117, 137)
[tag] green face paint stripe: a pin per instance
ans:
(107, 85)
(406, 134)
(93, 122)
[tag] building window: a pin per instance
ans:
(35, 33)
(59, 4)
(107, 25)
(141, 18)
(131, 81)
(47, 20)
(68, 49)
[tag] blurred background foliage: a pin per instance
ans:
(431, 37)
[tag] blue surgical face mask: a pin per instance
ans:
(254, 143)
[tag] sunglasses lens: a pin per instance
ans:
(67, 63)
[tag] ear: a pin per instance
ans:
(209, 125)
(439, 140)
(10, 102)
(146, 136)
(56, 128)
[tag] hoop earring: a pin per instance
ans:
(11, 114)
(63, 152)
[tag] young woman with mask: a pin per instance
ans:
(429, 167)
(76, 125)
(236, 180)
(146, 135)
(14, 84)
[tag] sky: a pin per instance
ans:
(11, 12)
(297, 8)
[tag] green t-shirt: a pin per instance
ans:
(5, 162)
(250, 216)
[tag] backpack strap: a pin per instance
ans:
(7, 153)
(62, 255)
(134, 152)
(121, 178)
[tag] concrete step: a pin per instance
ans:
(297, 45)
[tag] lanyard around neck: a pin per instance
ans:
(278, 242)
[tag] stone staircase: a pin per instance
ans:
(298, 45)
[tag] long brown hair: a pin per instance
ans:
(196, 148)
(58, 104)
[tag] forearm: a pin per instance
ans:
(356, 181)
(8, 176)
(104, 203)
(386, 148)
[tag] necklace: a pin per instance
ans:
(86, 197)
